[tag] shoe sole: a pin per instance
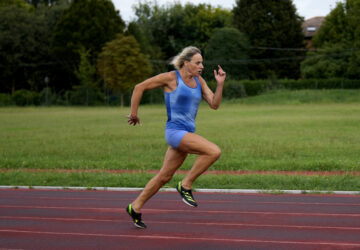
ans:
(138, 226)
(187, 203)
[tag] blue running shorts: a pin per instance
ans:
(174, 136)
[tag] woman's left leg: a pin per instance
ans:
(207, 151)
(172, 161)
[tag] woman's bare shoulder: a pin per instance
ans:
(166, 76)
(202, 81)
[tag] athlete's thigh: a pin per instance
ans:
(172, 160)
(195, 144)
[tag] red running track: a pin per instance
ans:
(48, 219)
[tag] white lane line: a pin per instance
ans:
(184, 238)
(234, 191)
(179, 222)
(251, 212)
(307, 203)
(171, 200)
(186, 211)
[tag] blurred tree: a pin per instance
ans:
(327, 63)
(89, 24)
(201, 20)
(152, 51)
(172, 27)
(122, 65)
(332, 29)
(17, 3)
(229, 48)
(25, 35)
(88, 91)
(338, 41)
(37, 3)
(134, 30)
(271, 24)
(23, 47)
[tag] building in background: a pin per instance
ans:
(310, 28)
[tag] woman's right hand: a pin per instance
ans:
(132, 120)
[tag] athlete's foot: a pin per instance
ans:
(186, 195)
(135, 216)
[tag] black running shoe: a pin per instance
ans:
(186, 195)
(135, 216)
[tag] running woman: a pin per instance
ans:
(183, 89)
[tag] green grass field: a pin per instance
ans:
(303, 130)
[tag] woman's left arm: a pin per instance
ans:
(212, 99)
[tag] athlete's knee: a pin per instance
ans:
(215, 152)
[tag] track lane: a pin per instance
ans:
(183, 229)
(257, 221)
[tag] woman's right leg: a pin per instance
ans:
(172, 161)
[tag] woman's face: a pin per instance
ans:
(195, 66)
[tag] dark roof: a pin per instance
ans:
(312, 25)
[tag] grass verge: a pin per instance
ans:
(264, 182)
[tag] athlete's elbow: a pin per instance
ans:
(139, 88)
(215, 106)
(215, 103)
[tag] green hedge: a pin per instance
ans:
(5, 100)
(320, 84)
(233, 89)
(25, 97)
(236, 89)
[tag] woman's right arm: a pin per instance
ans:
(160, 80)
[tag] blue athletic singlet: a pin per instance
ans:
(182, 105)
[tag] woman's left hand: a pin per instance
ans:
(132, 120)
(220, 75)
